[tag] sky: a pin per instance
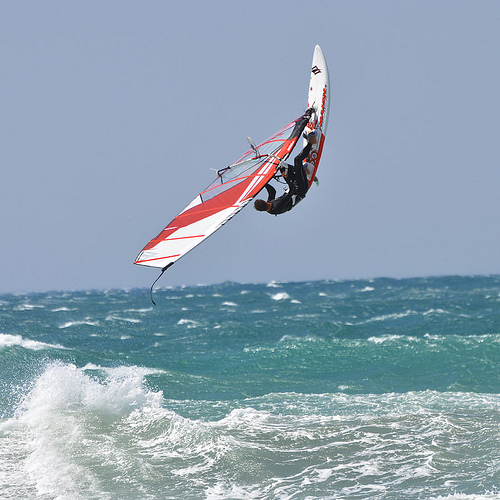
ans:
(112, 115)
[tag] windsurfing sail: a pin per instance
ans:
(233, 188)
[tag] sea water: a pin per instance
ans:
(378, 389)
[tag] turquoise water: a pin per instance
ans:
(380, 389)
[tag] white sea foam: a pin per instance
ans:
(114, 317)
(190, 323)
(92, 432)
(435, 311)
(280, 296)
(386, 338)
(140, 310)
(28, 307)
(293, 338)
(386, 317)
(98, 432)
(225, 490)
(12, 340)
(244, 417)
(273, 284)
(71, 421)
(463, 496)
(87, 322)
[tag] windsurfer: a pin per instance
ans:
(296, 177)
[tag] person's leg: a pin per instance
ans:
(302, 155)
(299, 174)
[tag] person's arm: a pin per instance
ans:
(282, 204)
(271, 192)
(302, 155)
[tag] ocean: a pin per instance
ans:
(364, 389)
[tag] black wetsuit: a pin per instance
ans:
(298, 186)
(279, 205)
(297, 174)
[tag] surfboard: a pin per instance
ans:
(319, 99)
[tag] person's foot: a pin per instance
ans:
(309, 113)
(311, 137)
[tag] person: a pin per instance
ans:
(296, 176)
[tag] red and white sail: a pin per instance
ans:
(233, 188)
(236, 185)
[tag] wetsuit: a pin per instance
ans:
(279, 205)
(297, 186)
(297, 174)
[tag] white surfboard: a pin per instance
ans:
(319, 99)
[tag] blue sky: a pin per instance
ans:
(113, 113)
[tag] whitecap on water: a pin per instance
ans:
(273, 284)
(190, 323)
(113, 317)
(17, 340)
(28, 307)
(386, 338)
(87, 322)
(69, 421)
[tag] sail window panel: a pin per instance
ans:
(231, 177)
